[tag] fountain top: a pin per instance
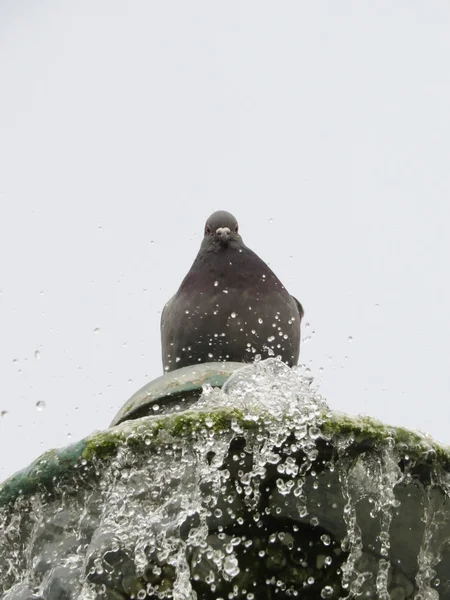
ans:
(176, 390)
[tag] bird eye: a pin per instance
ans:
(208, 230)
(236, 228)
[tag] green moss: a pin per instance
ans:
(371, 432)
(149, 433)
(138, 434)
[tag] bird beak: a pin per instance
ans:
(223, 233)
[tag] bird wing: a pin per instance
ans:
(165, 334)
(164, 312)
(300, 307)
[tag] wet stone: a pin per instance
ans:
(109, 594)
(131, 585)
(397, 593)
(400, 580)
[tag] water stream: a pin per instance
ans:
(250, 494)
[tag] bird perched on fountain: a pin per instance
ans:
(230, 306)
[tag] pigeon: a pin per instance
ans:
(230, 306)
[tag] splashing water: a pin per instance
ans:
(253, 493)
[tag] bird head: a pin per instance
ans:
(221, 228)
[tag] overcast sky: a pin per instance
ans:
(323, 126)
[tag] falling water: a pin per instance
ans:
(253, 493)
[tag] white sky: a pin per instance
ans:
(323, 126)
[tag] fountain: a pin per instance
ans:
(224, 481)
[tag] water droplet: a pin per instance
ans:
(327, 592)
(236, 427)
(271, 338)
(270, 220)
(350, 338)
(326, 540)
(230, 566)
(37, 354)
(40, 405)
(3, 413)
(97, 330)
(155, 407)
(314, 432)
(260, 321)
(233, 315)
(207, 388)
(225, 291)
(216, 283)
